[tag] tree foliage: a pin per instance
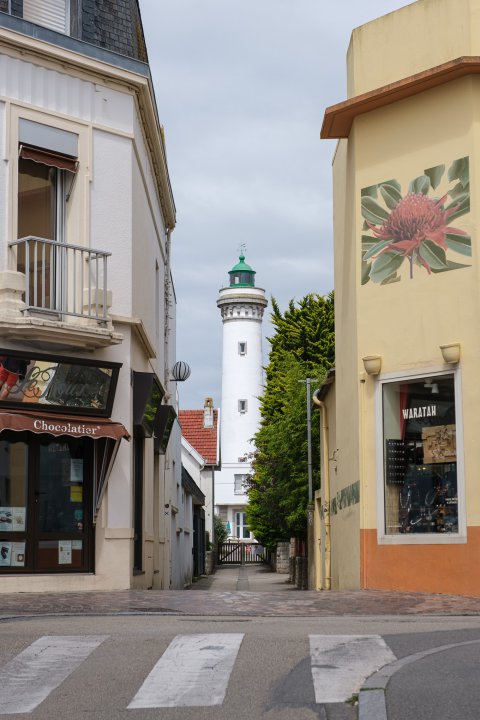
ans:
(302, 346)
(219, 530)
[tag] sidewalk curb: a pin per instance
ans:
(371, 699)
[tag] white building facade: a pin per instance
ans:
(87, 305)
(242, 306)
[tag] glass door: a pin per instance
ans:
(61, 504)
(242, 531)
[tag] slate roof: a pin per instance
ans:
(204, 440)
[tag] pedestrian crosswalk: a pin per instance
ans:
(193, 671)
(31, 676)
(342, 662)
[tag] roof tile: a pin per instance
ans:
(204, 440)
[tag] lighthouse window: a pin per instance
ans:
(420, 456)
(242, 348)
(242, 406)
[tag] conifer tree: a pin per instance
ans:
(302, 346)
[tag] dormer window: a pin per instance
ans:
(52, 14)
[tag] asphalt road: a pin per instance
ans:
(234, 668)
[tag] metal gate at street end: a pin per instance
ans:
(232, 553)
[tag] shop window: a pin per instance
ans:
(420, 456)
(45, 504)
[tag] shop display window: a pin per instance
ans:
(420, 456)
(45, 504)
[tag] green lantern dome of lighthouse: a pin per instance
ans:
(242, 275)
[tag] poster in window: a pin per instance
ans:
(18, 519)
(5, 553)
(18, 554)
(6, 519)
(65, 552)
(76, 470)
(439, 444)
(76, 493)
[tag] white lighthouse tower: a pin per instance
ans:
(241, 305)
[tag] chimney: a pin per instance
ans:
(208, 413)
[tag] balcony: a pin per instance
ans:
(57, 296)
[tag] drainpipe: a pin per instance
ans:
(325, 486)
(167, 316)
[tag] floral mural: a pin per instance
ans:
(405, 234)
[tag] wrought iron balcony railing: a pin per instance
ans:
(63, 279)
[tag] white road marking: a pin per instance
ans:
(32, 675)
(341, 663)
(193, 671)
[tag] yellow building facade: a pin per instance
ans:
(403, 446)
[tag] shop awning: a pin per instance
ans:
(53, 424)
(107, 434)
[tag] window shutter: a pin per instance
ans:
(49, 13)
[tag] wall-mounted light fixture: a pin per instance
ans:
(372, 364)
(181, 371)
(451, 353)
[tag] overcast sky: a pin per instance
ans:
(241, 88)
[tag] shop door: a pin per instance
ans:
(60, 505)
(46, 490)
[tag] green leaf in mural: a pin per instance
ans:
(370, 191)
(433, 255)
(368, 241)
(390, 192)
(385, 266)
(459, 190)
(451, 266)
(459, 170)
(462, 203)
(365, 272)
(435, 175)
(391, 279)
(373, 212)
(376, 249)
(459, 243)
(421, 184)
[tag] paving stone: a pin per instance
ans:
(269, 596)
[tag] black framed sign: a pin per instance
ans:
(54, 383)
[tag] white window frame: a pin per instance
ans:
(242, 477)
(236, 526)
(427, 538)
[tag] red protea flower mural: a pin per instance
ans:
(417, 228)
